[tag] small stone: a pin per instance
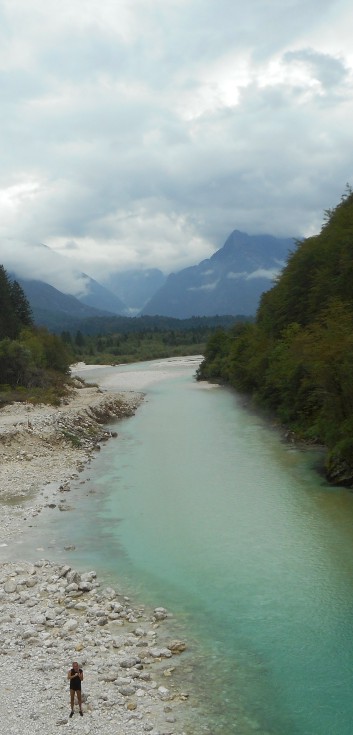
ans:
(160, 652)
(10, 586)
(177, 646)
(127, 690)
(127, 663)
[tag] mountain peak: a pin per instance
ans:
(231, 281)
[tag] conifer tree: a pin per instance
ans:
(8, 319)
(21, 305)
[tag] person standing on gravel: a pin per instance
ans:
(75, 676)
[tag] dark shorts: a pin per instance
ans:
(75, 685)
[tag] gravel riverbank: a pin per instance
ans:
(52, 614)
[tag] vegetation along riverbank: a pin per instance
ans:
(296, 359)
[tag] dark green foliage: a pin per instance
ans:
(9, 321)
(15, 363)
(79, 339)
(30, 358)
(67, 338)
(147, 338)
(56, 355)
(15, 312)
(321, 269)
(20, 305)
(216, 351)
(297, 359)
(126, 325)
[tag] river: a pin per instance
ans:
(200, 506)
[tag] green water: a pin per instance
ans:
(199, 506)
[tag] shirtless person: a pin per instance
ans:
(75, 676)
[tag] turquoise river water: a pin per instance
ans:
(199, 506)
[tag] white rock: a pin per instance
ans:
(71, 624)
(10, 586)
(160, 652)
(72, 587)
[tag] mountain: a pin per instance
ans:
(53, 309)
(100, 297)
(230, 282)
(40, 264)
(135, 287)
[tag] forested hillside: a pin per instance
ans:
(297, 358)
(33, 362)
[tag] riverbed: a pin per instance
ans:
(200, 505)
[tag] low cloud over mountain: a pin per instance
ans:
(230, 282)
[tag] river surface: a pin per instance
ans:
(200, 506)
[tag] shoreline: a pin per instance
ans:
(43, 448)
(51, 613)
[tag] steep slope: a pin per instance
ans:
(100, 297)
(50, 307)
(40, 264)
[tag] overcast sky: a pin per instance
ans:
(140, 133)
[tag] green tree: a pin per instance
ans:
(21, 305)
(79, 339)
(215, 353)
(56, 352)
(9, 323)
(297, 359)
(15, 363)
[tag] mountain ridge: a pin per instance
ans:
(231, 281)
(48, 303)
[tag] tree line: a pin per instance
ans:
(145, 338)
(31, 359)
(296, 359)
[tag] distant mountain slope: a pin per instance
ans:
(230, 282)
(47, 266)
(135, 287)
(100, 297)
(50, 307)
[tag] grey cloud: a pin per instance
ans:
(71, 245)
(205, 286)
(131, 146)
(35, 261)
(269, 273)
(237, 275)
(330, 71)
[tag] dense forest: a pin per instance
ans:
(33, 362)
(126, 339)
(296, 359)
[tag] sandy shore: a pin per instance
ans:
(52, 614)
